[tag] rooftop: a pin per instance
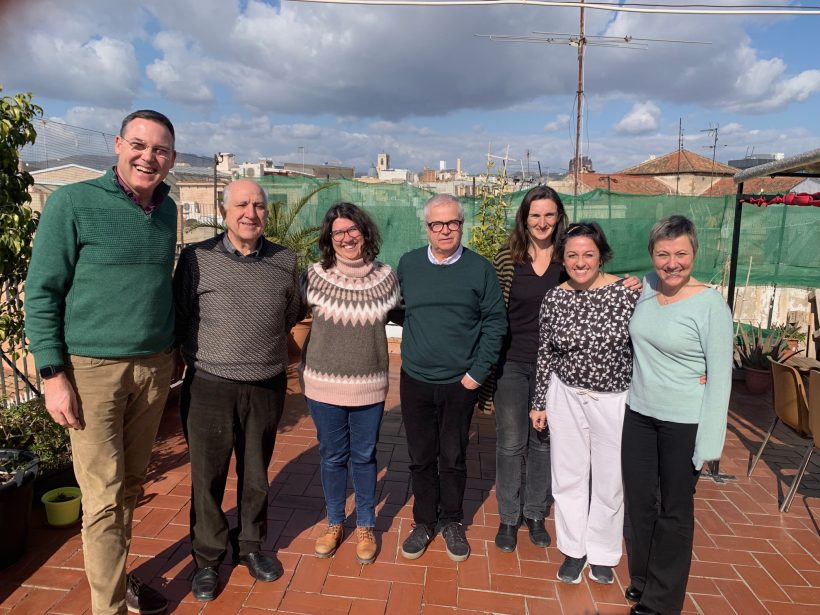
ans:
(748, 557)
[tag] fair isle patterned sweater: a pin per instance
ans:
(345, 359)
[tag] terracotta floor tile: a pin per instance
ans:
(779, 569)
(440, 588)
(492, 602)
(575, 599)
(404, 598)
(741, 597)
(714, 605)
(37, 601)
(503, 584)
(314, 604)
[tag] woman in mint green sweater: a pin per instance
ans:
(681, 329)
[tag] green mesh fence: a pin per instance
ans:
(781, 241)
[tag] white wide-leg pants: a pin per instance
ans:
(585, 434)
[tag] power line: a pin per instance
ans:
(663, 9)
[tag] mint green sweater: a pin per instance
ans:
(99, 283)
(674, 345)
(454, 320)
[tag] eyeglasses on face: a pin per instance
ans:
(162, 153)
(351, 231)
(438, 226)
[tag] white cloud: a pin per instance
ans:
(560, 121)
(641, 119)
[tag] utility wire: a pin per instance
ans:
(619, 8)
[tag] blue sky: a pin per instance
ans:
(347, 82)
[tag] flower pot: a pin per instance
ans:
(757, 380)
(16, 496)
(62, 506)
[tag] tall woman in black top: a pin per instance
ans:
(526, 271)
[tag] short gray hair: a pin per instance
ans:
(673, 227)
(227, 190)
(443, 199)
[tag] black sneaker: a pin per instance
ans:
(572, 569)
(139, 598)
(601, 574)
(416, 543)
(458, 549)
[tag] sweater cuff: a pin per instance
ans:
(49, 356)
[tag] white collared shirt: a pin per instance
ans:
(447, 261)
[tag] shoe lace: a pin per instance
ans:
(332, 529)
(455, 533)
(364, 533)
(134, 584)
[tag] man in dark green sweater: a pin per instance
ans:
(100, 319)
(454, 324)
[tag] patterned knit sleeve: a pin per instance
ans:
(546, 358)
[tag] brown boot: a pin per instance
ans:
(366, 547)
(328, 542)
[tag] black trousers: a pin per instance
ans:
(437, 425)
(218, 418)
(656, 459)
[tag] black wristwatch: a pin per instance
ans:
(49, 371)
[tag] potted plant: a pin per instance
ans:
(62, 506)
(18, 469)
(752, 351)
(792, 334)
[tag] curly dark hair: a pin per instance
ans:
(371, 238)
(585, 229)
(519, 240)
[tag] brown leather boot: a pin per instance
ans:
(328, 542)
(366, 547)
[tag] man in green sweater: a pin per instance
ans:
(454, 324)
(100, 319)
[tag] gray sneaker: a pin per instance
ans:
(458, 549)
(572, 569)
(416, 543)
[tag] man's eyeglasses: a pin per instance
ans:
(438, 226)
(352, 231)
(162, 153)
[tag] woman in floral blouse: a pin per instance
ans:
(583, 372)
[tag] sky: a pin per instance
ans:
(339, 84)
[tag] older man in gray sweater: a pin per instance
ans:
(236, 297)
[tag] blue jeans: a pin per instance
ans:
(348, 433)
(517, 442)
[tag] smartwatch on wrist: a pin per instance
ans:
(49, 371)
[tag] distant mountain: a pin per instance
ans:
(99, 162)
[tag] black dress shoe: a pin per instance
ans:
(203, 587)
(507, 537)
(261, 567)
(539, 536)
(633, 594)
(639, 609)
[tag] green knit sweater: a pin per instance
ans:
(99, 283)
(455, 319)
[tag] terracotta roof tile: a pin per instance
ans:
(680, 162)
(625, 184)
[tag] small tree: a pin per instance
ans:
(490, 229)
(17, 220)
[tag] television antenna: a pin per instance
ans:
(580, 41)
(714, 132)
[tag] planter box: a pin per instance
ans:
(16, 496)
